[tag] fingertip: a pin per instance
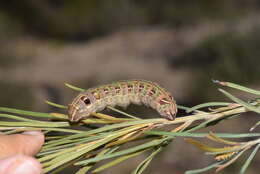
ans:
(34, 140)
(20, 164)
(38, 135)
(27, 143)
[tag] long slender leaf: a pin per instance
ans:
(239, 87)
(183, 107)
(23, 112)
(111, 127)
(56, 105)
(203, 105)
(201, 135)
(116, 161)
(241, 102)
(123, 152)
(84, 169)
(34, 124)
(17, 118)
(203, 169)
(121, 112)
(66, 157)
(255, 126)
(54, 129)
(144, 164)
(74, 87)
(249, 159)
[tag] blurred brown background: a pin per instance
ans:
(182, 45)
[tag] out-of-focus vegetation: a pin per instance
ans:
(114, 140)
(226, 56)
(22, 95)
(84, 19)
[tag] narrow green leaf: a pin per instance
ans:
(201, 125)
(123, 113)
(116, 161)
(249, 159)
(41, 154)
(144, 164)
(34, 124)
(255, 126)
(183, 107)
(74, 87)
(241, 102)
(209, 104)
(56, 105)
(23, 112)
(239, 87)
(123, 152)
(57, 170)
(17, 118)
(78, 140)
(76, 153)
(201, 135)
(19, 129)
(111, 127)
(63, 130)
(203, 169)
(84, 169)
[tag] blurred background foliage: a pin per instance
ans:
(82, 20)
(180, 44)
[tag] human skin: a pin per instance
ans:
(17, 151)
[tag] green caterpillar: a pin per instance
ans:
(122, 93)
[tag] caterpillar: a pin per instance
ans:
(122, 93)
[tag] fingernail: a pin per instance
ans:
(32, 133)
(20, 164)
(36, 134)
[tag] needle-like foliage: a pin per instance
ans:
(66, 146)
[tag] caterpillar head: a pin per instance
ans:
(81, 107)
(167, 108)
(170, 111)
